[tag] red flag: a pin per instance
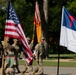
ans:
(13, 29)
(37, 22)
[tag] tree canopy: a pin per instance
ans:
(25, 10)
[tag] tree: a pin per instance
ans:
(3, 5)
(43, 6)
(45, 26)
(50, 11)
(24, 14)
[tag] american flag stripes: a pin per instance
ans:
(13, 29)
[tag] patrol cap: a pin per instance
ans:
(28, 39)
(15, 40)
(42, 38)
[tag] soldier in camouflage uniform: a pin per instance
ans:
(9, 61)
(28, 67)
(5, 44)
(30, 43)
(16, 51)
(39, 50)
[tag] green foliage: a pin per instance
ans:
(55, 13)
(72, 7)
(25, 15)
(2, 17)
(55, 19)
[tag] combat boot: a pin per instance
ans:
(36, 70)
(40, 71)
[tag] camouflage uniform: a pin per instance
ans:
(28, 67)
(16, 51)
(30, 43)
(16, 47)
(39, 50)
(5, 43)
(9, 62)
(5, 53)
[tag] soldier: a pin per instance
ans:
(5, 44)
(39, 50)
(30, 43)
(16, 51)
(28, 67)
(9, 61)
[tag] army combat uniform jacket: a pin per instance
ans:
(9, 64)
(39, 49)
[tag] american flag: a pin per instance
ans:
(13, 29)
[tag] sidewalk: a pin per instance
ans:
(53, 70)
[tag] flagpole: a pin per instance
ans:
(58, 60)
(62, 3)
(33, 32)
(2, 61)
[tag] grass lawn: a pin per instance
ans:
(63, 56)
(51, 60)
(53, 63)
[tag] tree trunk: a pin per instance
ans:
(44, 17)
(45, 9)
(44, 21)
(45, 25)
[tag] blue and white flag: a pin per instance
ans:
(68, 30)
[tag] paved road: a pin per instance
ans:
(53, 70)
